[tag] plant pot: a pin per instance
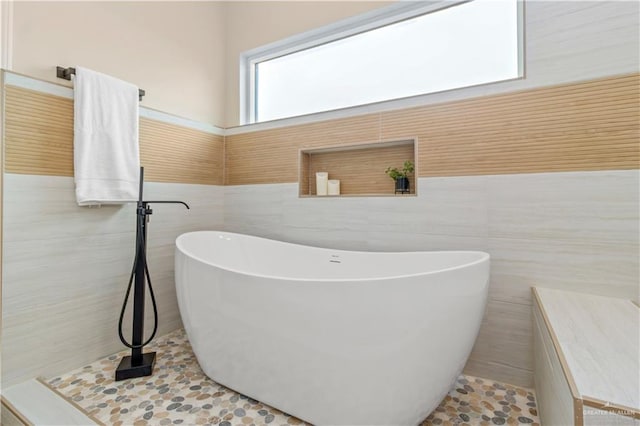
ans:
(402, 185)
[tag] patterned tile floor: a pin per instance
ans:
(180, 393)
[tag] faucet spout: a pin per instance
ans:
(169, 202)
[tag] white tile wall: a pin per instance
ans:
(66, 269)
(573, 230)
(446, 206)
(579, 207)
(598, 267)
(504, 347)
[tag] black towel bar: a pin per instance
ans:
(67, 72)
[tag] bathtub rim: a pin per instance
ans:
(484, 256)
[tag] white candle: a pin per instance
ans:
(333, 186)
(321, 183)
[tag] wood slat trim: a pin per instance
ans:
(586, 126)
(39, 141)
(271, 156)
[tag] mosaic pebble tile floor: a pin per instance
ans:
(180, 393)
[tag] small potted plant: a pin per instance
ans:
(401, 177)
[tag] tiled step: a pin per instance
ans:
(39, 405)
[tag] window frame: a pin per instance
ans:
(394, 13)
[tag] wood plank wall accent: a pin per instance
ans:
(271, 156)
(360, 171)
(39, 141)
(178, 154)
(585, 126)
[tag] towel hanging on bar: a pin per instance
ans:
(106, 152)
(66, 73)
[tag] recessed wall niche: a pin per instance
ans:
(359, 167)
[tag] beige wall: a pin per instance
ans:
(254, 24)
(173, 50)
(184, 54)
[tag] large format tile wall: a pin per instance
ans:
(66, 267)
(544, 178)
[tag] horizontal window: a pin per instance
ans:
(457, 46)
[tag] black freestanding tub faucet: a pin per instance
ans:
(139, 364)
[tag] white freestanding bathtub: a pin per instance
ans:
(333, 337)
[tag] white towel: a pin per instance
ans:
(106, 154)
